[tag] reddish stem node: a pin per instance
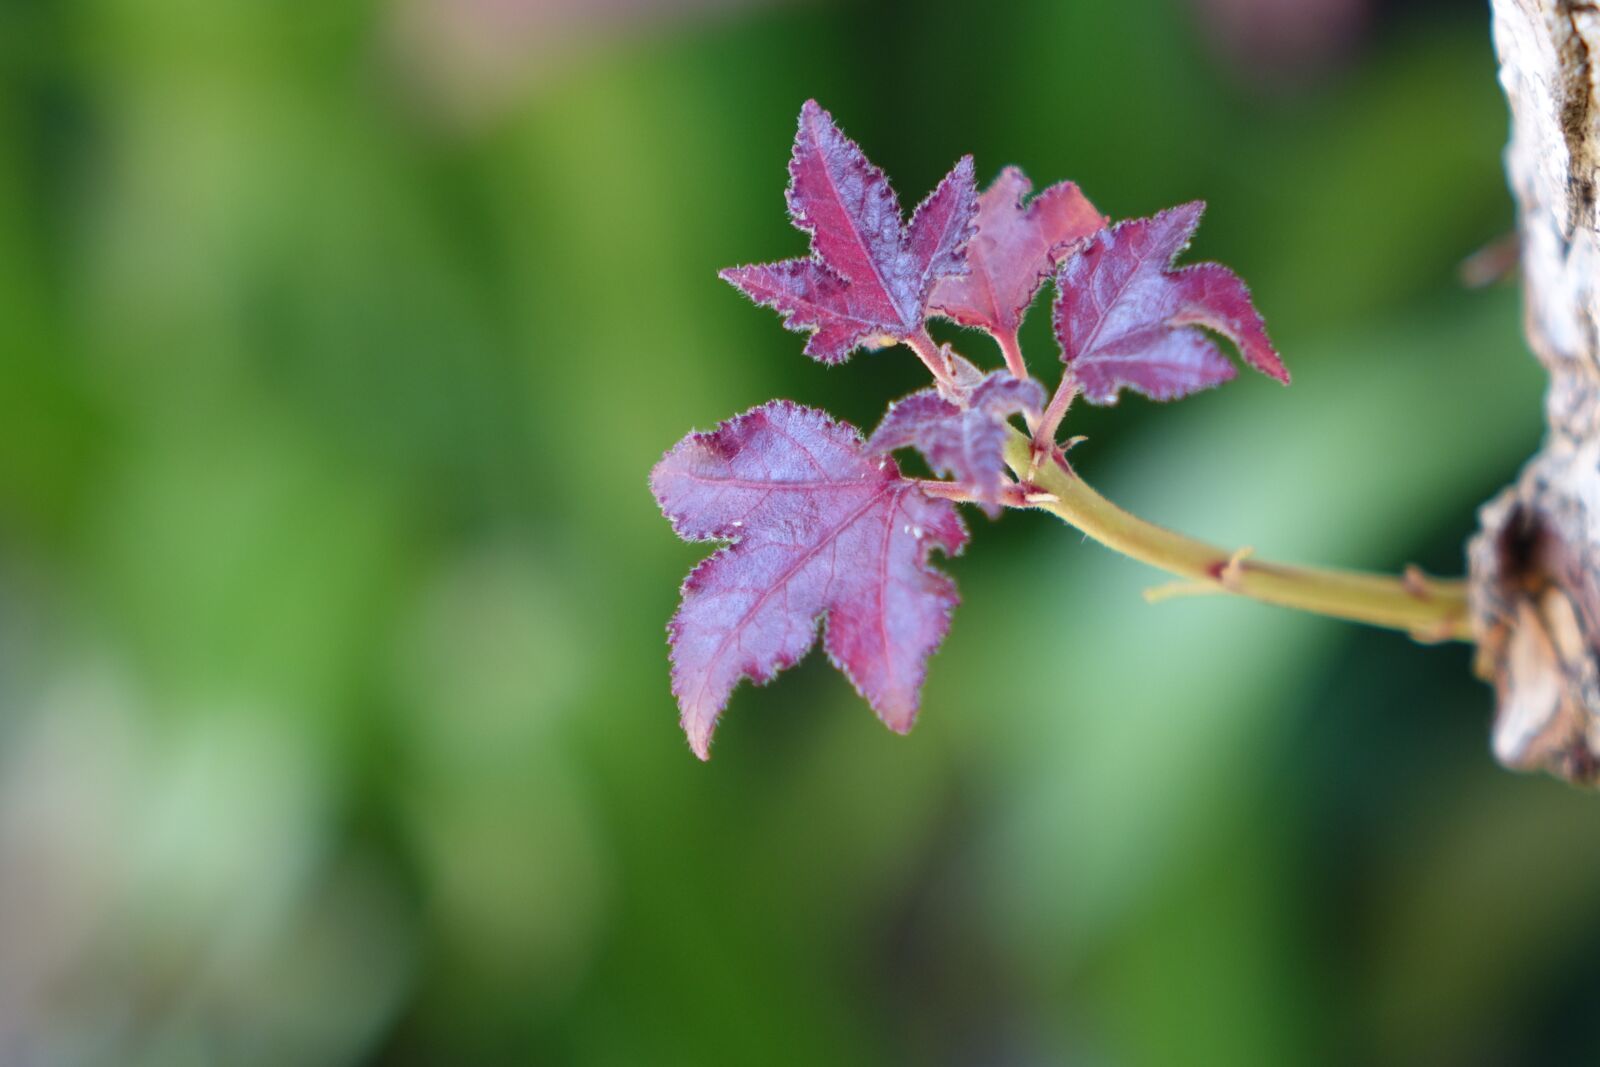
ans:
(1012, 351)
(932, 356)
(1044, 435)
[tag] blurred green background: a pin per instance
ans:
(338, 340)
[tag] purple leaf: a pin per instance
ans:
(1124, 318)
(938, 235)
(819, 528)
(1016, 246)
(962, 437)
(810, 296)
(869, 274)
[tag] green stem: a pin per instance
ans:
(1427, 608)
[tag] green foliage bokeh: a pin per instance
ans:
(334, 719)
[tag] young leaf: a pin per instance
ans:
(1013, 252)
(1125, 318)
(868, 274)
(819, 528)
(963, 437)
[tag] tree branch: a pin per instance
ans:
(1536, 562)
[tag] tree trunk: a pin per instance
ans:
(1535, 565)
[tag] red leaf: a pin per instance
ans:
(963, 437)
(869, 274)
(820, 528)
(1016, 246)
(1124, 318)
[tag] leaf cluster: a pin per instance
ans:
(818, 524)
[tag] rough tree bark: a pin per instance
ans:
(1535, 564)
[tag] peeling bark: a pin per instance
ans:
(1535, 564)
